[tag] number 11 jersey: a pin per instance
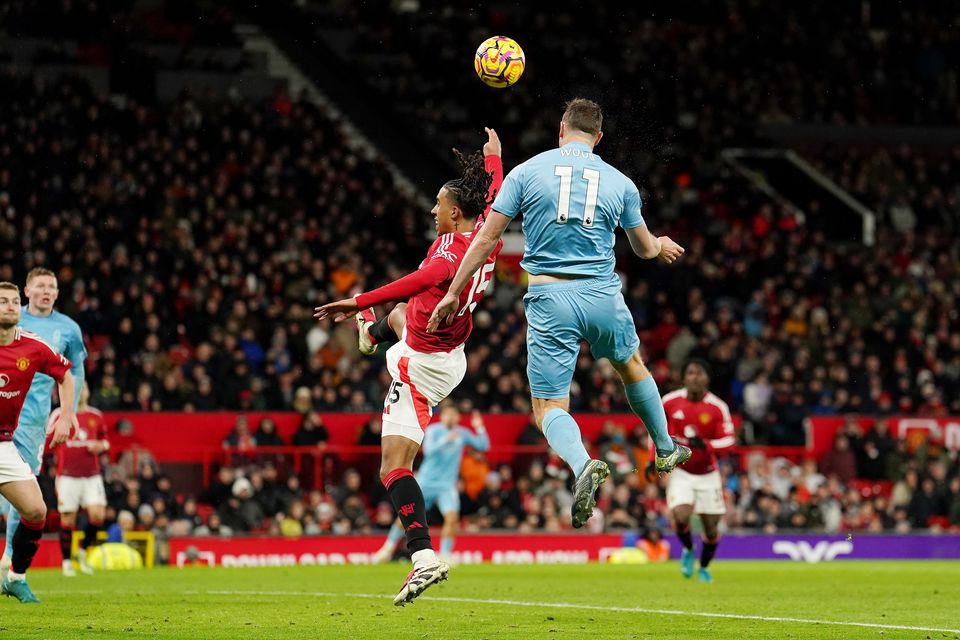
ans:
(572, 203)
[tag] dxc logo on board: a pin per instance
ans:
(823, 551)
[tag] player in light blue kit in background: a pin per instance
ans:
(572, 203)
(443, 444)
(64, 335)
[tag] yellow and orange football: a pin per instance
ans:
(499, 62)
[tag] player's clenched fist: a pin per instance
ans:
(669, 250)
(443, 311)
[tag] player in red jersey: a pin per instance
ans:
(702, 421)
(22, 354)
(79, 482)
(426, 367)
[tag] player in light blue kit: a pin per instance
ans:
(572, 203)
(443, 444)
(64, 335)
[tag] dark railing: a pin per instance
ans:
(315, 465)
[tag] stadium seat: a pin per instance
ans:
(872, 488)
(863, 487)
(204, 511)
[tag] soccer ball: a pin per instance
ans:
(499, 61)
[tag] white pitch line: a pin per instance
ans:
(591, 607)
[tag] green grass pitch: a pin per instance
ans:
(747, 600)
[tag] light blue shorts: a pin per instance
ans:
(560, 315)
(447, 499)
(29, 440)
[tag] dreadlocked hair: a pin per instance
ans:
(470, 191)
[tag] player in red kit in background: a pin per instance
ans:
(702, 421)
(21, 356)
(426, 367)
(79, 481)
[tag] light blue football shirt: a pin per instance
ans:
(572, 203)
(442, 454)
(64, 335)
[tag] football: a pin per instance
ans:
(499, 61)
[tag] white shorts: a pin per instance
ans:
(420, 382)
(12, 465)
(73, 493)
(704, 492)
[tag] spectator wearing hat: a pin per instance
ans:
(241, 512)
(302, 401)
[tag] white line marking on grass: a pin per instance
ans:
(590, 607)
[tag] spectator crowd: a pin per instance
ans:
(192, 256)
(868, 482)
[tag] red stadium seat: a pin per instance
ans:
(97, 343)
(885, 487)
(863, 487)
(872, 488)
(204, 511)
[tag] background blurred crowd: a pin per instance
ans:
(868, 482)
(192, 255)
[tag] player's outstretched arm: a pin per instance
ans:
(480, 249)
(669, 250)
(492, 146)
(339, 310)
(430, 275)
(647, 246)
(492, 162)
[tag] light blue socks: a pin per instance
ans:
(644, 399)
(395, 533)
(564, 437)
(13, 519)
(446, 546)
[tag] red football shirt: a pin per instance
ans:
(19, 361)
(435, 273)
(73, 457)
(708, 419)
(449, 249)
